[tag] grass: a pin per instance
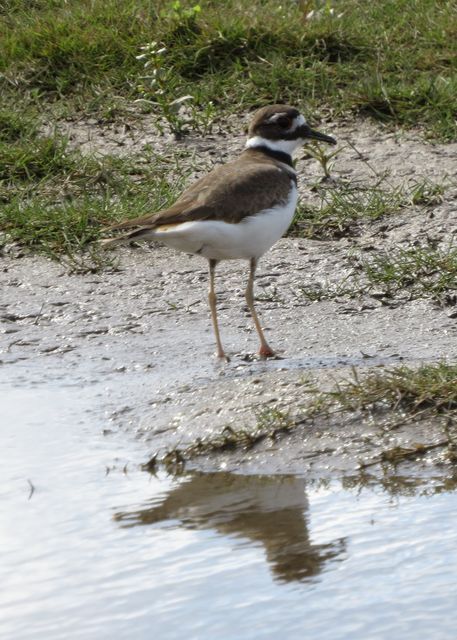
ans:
(14, 126)
(190, 65)
(431, 387)
(393, 396)
(391, 60)
(345, 208)
(411, 273)
(54, 200)
(418, 271)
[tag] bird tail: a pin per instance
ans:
(137, 234)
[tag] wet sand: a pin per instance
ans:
(144, 330)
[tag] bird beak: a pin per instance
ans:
(312, 134)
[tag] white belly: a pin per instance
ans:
(219, 240)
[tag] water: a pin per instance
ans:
(92, 547)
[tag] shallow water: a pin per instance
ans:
(92, 547)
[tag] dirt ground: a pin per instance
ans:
(145, 327)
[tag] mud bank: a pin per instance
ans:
(144, 331)
(144, 327)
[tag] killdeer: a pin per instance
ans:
(239, 209)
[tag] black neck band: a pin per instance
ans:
(282, 156)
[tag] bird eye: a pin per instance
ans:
(283, 122)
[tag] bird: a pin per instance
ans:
(239, 209)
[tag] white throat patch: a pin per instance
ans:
(285, 146)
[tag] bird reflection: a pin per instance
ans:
(270, 510)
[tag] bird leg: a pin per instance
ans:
(265, 350)
(212, 306)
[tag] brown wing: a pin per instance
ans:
(229, 192)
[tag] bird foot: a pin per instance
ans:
(266, 352)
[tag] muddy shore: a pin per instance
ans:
(144, 331)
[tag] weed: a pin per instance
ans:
(271, 424)
(415, 272)
(184, 18)
(421, 271)
(274, 422)
(396, 395)
(180, 113)
(431, 387)
(154, 88)
(343, 208)
(325, 158)
(427, 193)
